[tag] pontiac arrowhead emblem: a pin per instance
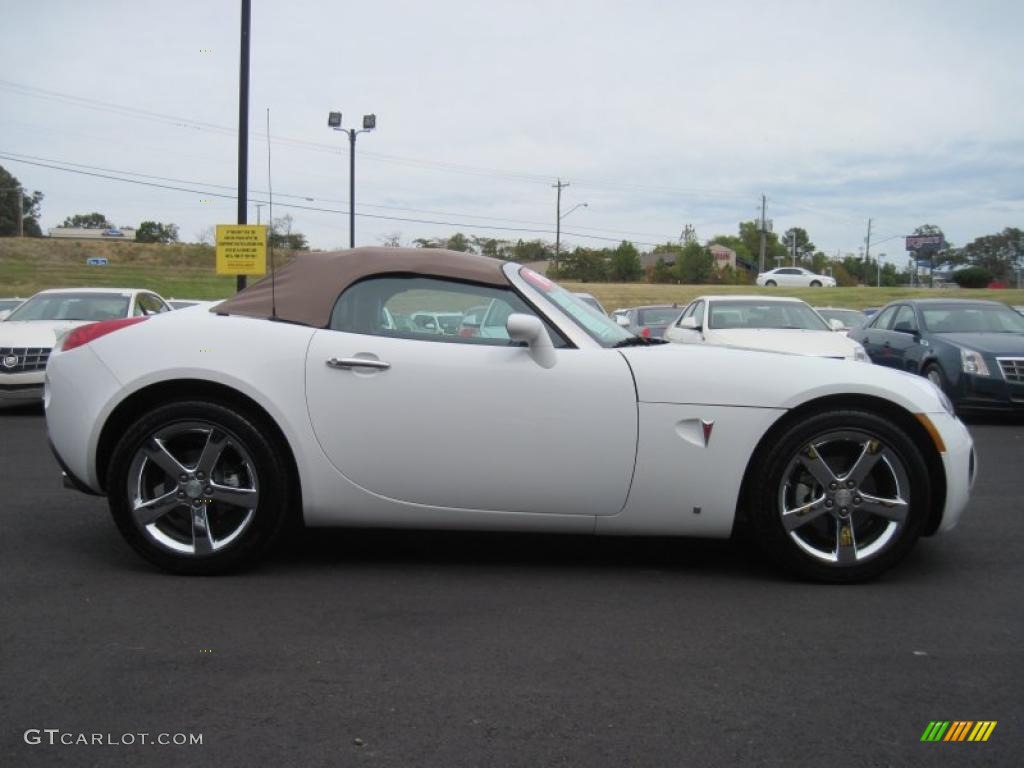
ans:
(707, 426)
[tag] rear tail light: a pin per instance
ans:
(645, 332)
(86, 333)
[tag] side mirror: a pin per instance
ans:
(530, 329)
(622, 320)
(836, 325)
(690, 323)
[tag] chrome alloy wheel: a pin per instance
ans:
(935, 377)
(192, 488)
(844, 497)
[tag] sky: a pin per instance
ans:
(658, 114)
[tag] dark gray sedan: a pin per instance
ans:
(972, 350)
(649, 322)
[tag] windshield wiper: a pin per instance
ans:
(638, 341)
(632, 341)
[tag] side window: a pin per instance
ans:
(139, 309)
(698, 314)
(431, 309)
(884, 321)
(906, 319)
(150, 304)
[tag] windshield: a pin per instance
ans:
(72, 306)
(658, 315)
(851, 318)
(980, 318)
(765, 314)
(597, 325)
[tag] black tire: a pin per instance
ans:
(788, 478)
(815, 284)
(245, 461)
(770, 283)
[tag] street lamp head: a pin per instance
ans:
(334, 120)
(369, 122)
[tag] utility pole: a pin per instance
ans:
(764, 232)
(867, 252)
(794, 247)
(243, 125)
(558, 219)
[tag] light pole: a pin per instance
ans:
(259, 206)
(369, 123)
(21, 207)
(559, 216)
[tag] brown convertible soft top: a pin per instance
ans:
(307, 288)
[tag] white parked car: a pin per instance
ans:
(8, 305)
(208, 448)
(795, 277)
(755, 322)
(28, 334)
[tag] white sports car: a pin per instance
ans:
(300, 399)
(29, 333)
(754, 322)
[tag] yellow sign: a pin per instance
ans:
(241, 249)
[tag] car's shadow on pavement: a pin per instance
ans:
(315, 548)
(22, 409)
(991, 419)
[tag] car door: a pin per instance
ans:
(903, 340)
(869, 334)
(881, 337)
(394, 410)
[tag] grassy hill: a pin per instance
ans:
(187, 271)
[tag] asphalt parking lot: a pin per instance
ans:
(414, 649)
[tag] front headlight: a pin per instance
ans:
(860, 354)
(973, 362)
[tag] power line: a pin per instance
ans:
(310, 207)
(16, 156)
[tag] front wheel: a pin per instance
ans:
(815, 283)
(197, 488)
(934, 374)
(841, 497)
(770, 283)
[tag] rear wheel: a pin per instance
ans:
(197, 488)
(841, 497)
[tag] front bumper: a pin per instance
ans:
(988, 393)
(21, 393)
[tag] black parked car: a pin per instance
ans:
(972, 350)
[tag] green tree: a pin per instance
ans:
(9, 187)
(774, 250)
(804, 247)
(972, 277)
(459, 242)
(624, 264)
(87, 220)
(694, 264)
(585, 264)
(282, 236)
(1001, 254)
(532, 250)
(661, 272)
(156, 232)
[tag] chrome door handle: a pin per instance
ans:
(348, 363)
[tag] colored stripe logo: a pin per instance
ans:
(958, 730)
